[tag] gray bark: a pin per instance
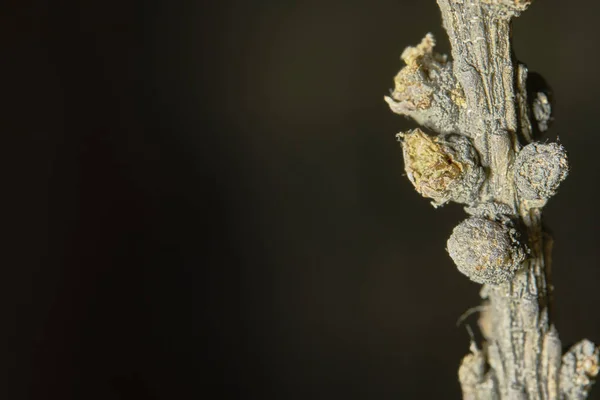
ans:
(481, 151)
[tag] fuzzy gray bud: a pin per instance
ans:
(539, 170)
(486, 251)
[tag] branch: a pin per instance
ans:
(486, 117)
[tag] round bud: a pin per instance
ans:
(486, 251)
(539, 170)
(442, 168)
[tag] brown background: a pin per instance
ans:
(208, 196)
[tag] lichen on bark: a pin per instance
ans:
(482, 118)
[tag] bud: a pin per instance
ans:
(486, 251)
(539, 170)
(580, 366)
(427, 90)
(442, 168)
(542, 111)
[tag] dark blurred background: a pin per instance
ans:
(208, 197)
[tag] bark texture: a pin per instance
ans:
(482, 121)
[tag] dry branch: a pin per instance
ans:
(482, 153)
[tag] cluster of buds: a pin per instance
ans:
(444, 168)
(447, 166)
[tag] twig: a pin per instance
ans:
(482, 153)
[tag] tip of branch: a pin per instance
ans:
(513, 7)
